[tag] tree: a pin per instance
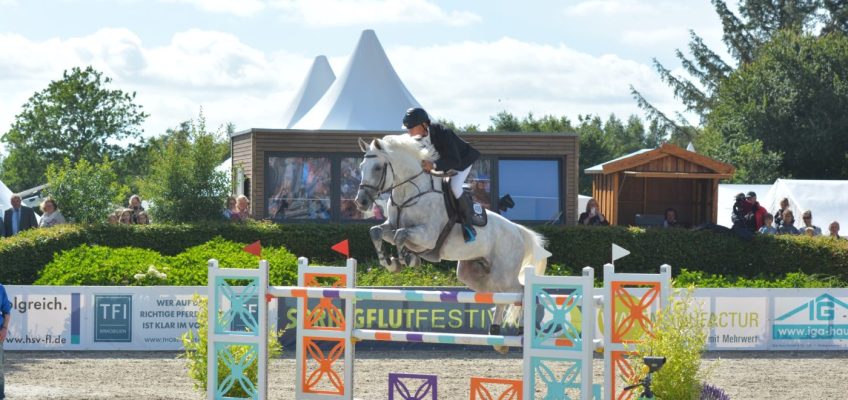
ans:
(77, 118)
(183, 185)
(85, 192)
(793, 99)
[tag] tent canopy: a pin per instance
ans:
(5, 197)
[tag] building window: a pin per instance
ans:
(350, 179)
(480, 180)
(298, 188)
(533, 185)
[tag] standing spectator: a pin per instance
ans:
(5, 318)
(788, 226)
(767, 228)
(592, 216)
(807, 218)
(671, 219)
(135, 206)
(142, 218)
(50, 214)
(778, 215)
(230, 208)
(18, 218)
(757, 210)
(834, 230)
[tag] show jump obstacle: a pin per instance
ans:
(557, 350)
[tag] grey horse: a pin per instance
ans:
(416, 216)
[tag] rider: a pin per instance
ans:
(454, 153)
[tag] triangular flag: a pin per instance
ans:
(254, 248)
(342, 247)
(618, 252)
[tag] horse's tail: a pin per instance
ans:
(535, 256)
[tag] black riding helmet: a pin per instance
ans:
(415, 116)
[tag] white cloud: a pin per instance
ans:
(242, 8)
(476, 80)
(654, 38)
(610, 7)
(365, 12)
(233, 82)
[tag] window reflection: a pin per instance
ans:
(298, 188)
(534, 187)
(351, 177)
(480, 180)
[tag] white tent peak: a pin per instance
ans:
(691, 147)
(318, 80)
(368, 94)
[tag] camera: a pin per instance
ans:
(654, 363)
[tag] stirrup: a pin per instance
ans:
(468, 234)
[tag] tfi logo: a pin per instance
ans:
(112, 318)
(813, 319)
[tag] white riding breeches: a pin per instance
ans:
(458, 180)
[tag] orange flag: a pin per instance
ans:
(342, 247)
(254, 248)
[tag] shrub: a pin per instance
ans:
(98, 265)
(196, 352)
(679, 334)
(185, 272)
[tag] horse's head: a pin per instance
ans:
(375, 174)
(387, 162)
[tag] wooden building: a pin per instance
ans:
(636, 189)
(292, 175)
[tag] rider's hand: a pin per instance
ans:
(427, 165)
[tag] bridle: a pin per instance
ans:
(375, 191)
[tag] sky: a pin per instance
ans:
(242, 61)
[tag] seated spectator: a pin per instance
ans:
(788, 226)
(125, 216)
(671, 219)
(592, 216)
(767, 228)
(112, 219)
(142, 218)
(230, 208)
(50, 214)
(18, 218)
(778, 215)
(809, 231)
(242, 212)
(807, 217)
(135, 206)
(834, 230)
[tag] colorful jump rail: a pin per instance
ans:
(557, 355)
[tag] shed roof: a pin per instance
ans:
(645, 156)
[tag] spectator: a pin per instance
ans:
(767, 228)
(592, 216)
(50, 214)
(807, 218)
(112, 219)
(5, 318)
(378, 212)
(741, 218)
(142, 218)
(242, 212)
(230, 208)
(788, 226)
(671, 219)
(778, 215)
(18, 218)
(808, 231)
(757, 211)
(834, 230)
(135, 206)
(125, 216)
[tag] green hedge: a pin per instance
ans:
(24, 255)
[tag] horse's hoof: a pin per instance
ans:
(494, 329)
(502, 349)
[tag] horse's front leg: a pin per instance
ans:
(411, 240)
(380, 233)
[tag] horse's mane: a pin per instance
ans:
(408, 146)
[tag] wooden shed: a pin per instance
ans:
(299, 175)
(636, 189)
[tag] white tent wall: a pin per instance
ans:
(5, 197)
(828, 200)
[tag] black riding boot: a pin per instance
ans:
(466, 213)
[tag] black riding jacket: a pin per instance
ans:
(454, 153)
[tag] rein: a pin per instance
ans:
(378, 189)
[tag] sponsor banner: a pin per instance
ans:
(810, 319)
(100, 318)
(737, 319)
